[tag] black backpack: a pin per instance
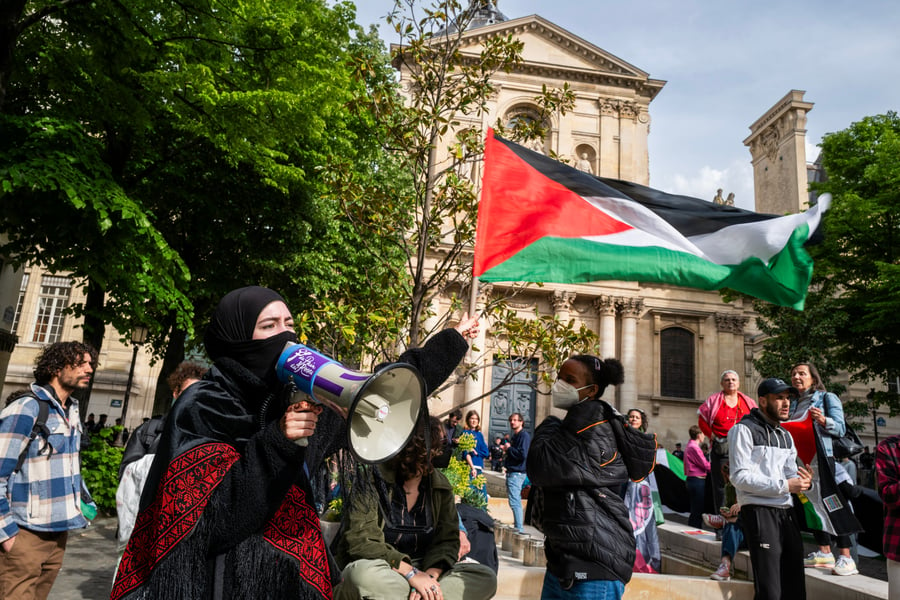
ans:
(480, 530)
(39, 427)
(141, 442)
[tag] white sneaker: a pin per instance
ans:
(845, 566)
(821, 560)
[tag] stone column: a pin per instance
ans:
(631, 308)
(608, 155)
(562, 304)
(432, 320)
(606, 308)
(730, 334)
(627, 136)
(641, 171)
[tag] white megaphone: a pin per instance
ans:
(382, 408)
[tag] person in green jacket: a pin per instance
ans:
(401, 531)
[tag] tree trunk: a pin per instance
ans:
(173, 357)
(94, 328)
(10, 14)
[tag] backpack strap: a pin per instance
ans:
(39, 428)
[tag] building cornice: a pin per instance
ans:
(609, 70)
(793, 100)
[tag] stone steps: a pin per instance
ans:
(686, 554)
(683, 581)
(687, 562)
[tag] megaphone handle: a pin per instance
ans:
(300, 403)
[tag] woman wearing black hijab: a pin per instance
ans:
(227, 511)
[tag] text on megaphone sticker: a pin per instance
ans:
(304, 362)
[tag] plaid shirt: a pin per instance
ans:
(887, 469)
(45, 495)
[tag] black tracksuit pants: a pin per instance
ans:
(776, 552)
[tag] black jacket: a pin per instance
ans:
(574, 466)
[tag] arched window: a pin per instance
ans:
(676, 354)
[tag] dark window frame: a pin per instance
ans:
(677, 362)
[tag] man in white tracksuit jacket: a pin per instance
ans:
(765, 473)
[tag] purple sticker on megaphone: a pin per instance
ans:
(300, 364)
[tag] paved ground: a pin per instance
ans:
(90, 559)
(89, 564)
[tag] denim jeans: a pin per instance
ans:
(732, 538)
(583, 590)
(514, 483)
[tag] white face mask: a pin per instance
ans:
(564, 394)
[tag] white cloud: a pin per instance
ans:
(737, 178)
(812, 151)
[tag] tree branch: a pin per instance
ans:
(45, 12)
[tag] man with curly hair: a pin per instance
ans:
(40, 474)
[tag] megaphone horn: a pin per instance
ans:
(382, 408)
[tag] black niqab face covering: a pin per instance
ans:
(230, 332)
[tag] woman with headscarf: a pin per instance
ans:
(577, 466)
(226, 510)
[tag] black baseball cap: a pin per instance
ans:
(775, 386)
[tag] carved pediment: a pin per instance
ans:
(551, 51)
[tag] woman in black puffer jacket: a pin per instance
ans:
(575, 464)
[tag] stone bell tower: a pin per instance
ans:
(777, 145)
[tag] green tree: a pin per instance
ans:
(362, 317)
(852, 320)
(61, 203)
(100, 469)
(420, 219)
(206, 127)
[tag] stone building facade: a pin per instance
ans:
(35, 301)
(674, 342)
(777, 144)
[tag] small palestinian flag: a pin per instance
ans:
(540, 220)
(668, 481)
(824, 505)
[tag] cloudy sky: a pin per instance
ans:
(725, 64)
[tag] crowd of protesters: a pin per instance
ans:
(238, 433)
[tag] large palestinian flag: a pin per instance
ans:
(540, 220)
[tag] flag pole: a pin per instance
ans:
(473, 297)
